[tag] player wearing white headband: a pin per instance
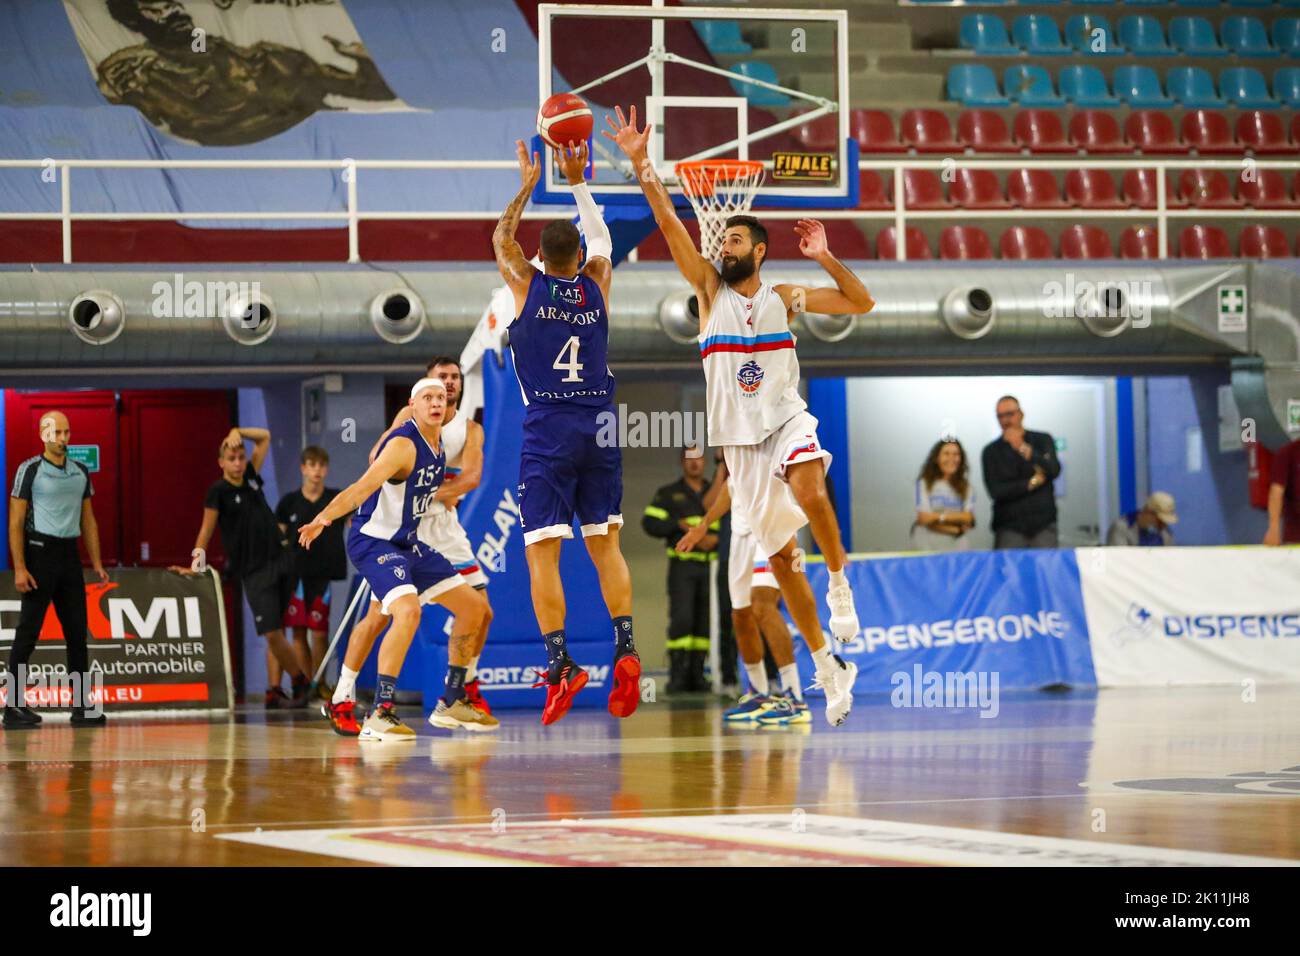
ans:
(392, 497)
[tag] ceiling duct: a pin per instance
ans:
(97, 317)
(249, 317)
(969, 312)
(397, 315)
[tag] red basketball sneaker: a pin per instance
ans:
(569, 679)
(475, 697)
(342, 718)
(626, 693)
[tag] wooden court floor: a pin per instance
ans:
(1180, 771)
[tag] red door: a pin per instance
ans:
(92, 417)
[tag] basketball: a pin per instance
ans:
(564, 118)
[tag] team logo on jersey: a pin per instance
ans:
(569, 294)
(401, 574)
(750, 377)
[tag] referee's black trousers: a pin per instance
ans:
(56, 566)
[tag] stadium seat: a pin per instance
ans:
(1034, 189)
(976, 189)
(1244, 87)
(1246, 36)
(1199, 3)
(1286, 86)
(965, 242)
(1208, 132)
(1139, 242)
(1036, 34)
(1250, 3)
(1086, 242)
(1094, 3)
(1295, 129)
(1193, 87)
(926, 131)
(1194, 36)
(1143, 37)
(1262, 132)
(922, 189)
(974, 84)
(757, 95)
(1030, 86)
(1266, 189)
(1085, 86)
(1025, 242)
(984, 131)
(985, 34)
(1092, 189)
(722, 36)
(871, 191)
(819, 135)
(1206, 189)
(1091, 35)
(1263, 242)
(1096, 131)
(1040, 131)
(1139, 189)
(1139, 87)
(1286, 35)
(1204, 242)
(874, 131)
(1153, 132)
(917, 247)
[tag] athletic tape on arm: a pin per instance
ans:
(593, 225)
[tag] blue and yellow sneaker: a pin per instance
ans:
(750, 707)
(785, 711)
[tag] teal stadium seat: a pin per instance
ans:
(1193, 87)
(1246, 36)
(1250, 3)
(1286, 86)
(1085, 86)
(974, 84)
(722, 36)
(1143, 36)
(1030, 86)
(1091, 35)
(1199, 3)
(1286, 35)
(757, 95)
(1094, 3)
(1139, 87)
(1146, 3)
(1244, 87)
(1194, 36)
(986, 34)
(1037, 35)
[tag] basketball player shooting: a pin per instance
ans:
(560, 342)
(755, 413)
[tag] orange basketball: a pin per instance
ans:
(564, 118)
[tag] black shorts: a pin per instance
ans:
(268, 591)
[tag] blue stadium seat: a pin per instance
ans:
(1246, 36)
(1030, 86)
(1290, 3)
(1193, 87)
(721, 36)
(1194, 36)
(1143, 36)
(1199, 3)
(986, 34)
(1244, 86)
(757, 95)
(1037, 35)
(1098, 3)
(1138, 86)
(1286, 35)
(974, 84)
(1250, 3)
(1286, 86)
(1146, 3)
(1085, 86)
(1091, 34)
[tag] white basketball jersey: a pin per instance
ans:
(751, 371)
(453, 445)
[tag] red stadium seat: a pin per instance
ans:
(1266, 190)
(1034, 189)
(1263, 242)
(1153, 132)
(1025, 242)
(1140, 190)
(874, 131)
(1295, 128)
(976, 189)
(1262, 132)
(1206, 189)
(1204, 242)
(917, 246)
(1208, 133)
(821, 135)
(985, 132)
(872, 193)
(1092, 189)
(965, 242)
(1041, 132)
(1085, 242)
(1139, 242)
(927, 131)
(1097, 131)
(923, 190)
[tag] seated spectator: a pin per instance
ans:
(945, 501)
(1148, 527)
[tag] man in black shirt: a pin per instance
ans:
(257, 554)
(1019, 469)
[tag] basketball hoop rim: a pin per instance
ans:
(713, 170)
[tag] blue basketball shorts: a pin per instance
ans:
(570, 466)
(392, 570)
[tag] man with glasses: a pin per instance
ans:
(1019, 469)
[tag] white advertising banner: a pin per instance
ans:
(1192, 615)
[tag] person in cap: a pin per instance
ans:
(1147, 527)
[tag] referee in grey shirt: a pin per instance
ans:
(49, 510)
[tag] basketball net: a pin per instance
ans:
(717, 189)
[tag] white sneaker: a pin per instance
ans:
(838, 685)
(462, 715)
(384, 725)
(844, 617)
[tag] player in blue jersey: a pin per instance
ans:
(391, 498)
(560, 342)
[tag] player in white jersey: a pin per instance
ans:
(755, 412)
(440, 529)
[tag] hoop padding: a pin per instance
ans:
(717, 189)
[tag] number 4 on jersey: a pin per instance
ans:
(572, 366)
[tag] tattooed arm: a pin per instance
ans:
(515, 267)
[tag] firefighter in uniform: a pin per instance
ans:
(675, 508)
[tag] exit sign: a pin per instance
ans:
(87, 455)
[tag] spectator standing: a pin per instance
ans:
(1019, 468)
(1147, 527)
(945, 500)
(1284, 496)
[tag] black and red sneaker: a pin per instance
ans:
(474, 696)
(626, 693)
(562, 683)
(277, 699)
(342, 717)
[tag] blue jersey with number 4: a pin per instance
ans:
(560, 343)
(394, 511)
